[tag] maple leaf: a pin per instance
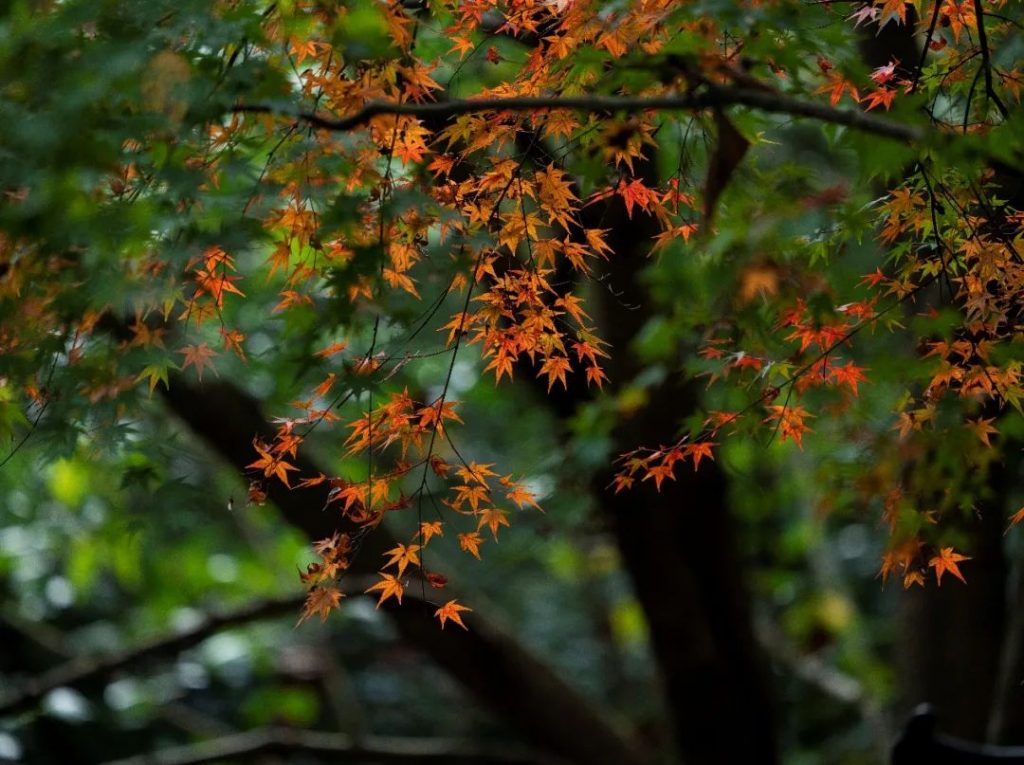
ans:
(429, 530)
(450, 610)
(233, 341)
(389, 587)
(492, 518)
(555, 367)
(866, 12)
(659, 473)
(635, 194)
(848, 374)
(403, 556)
(880, 97)
(623, 481)
(271, 465)
(471, 543)
(1016, 518)
(217, 283)
(199, 356)
(441, 164)
(156, 373)
(982, 428)
(321, 600)
(947, 560)
(520, 496)
(912, 578)
(836, 86)
(698, 451)
(791, 422)
(462, 45)
(324, 388)
(302, 49)
(331, 350)
(596, 376)
(890, 10)
(472, 494)
(476, 471)
(595, 238)
(145, 336)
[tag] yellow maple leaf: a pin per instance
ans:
(389, 587)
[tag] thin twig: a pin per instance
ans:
(986, 60)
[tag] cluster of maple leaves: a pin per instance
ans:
(496, 197)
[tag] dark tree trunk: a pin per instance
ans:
(679, 545)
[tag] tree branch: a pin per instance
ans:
(336, 746)
(766, 100)
(84, 668)
(986, 60)
(55, 643)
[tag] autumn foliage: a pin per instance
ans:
(382, 190)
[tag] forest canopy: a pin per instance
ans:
(687, 330)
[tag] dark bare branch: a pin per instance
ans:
(766, 100)
(986, 60)
(85, 668)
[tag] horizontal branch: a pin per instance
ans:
(83, 669)
(765, 100)
(338, 747)
(80, 670)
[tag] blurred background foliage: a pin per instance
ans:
(119, 526)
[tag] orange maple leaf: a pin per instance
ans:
(429, 530)
(330, 350)
(848, 374)
(471, 543)
(492, 518)
(555, 368)
(635, 194)
(389, 587)
(321, 600)
(700, 450)
(520, 496)
(476, 471)
(402, 556)
(271, 465)
(472, 494)
(450, 610)
(462, 45)
(879, 97)
(1016, 518)
(659, 473)
(947, 560)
